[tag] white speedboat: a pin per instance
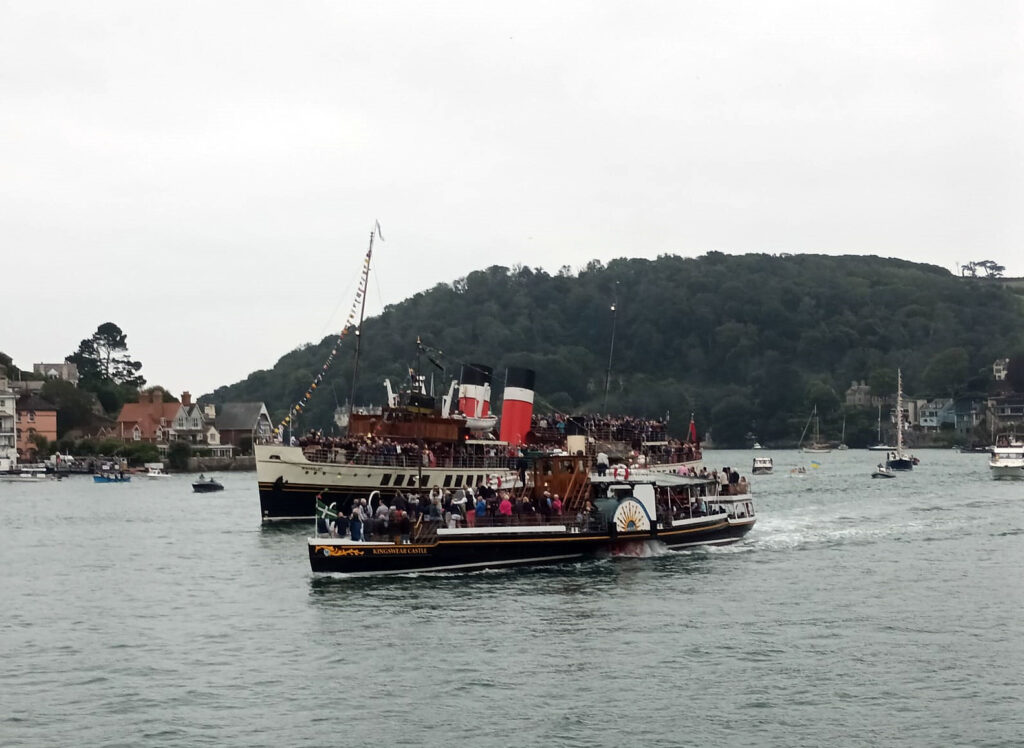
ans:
(157, 472)
(762, 466)
(1007, 459)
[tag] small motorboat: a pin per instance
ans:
(156, 471)
(206, 485)
(883, 471)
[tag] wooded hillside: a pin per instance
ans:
(749, 343)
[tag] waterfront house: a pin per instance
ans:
(1006, 410)
(238, 421)
(937, 413)
(195, 424)
(35, 416)
(8, 435)
(967, 414)
(149, 420)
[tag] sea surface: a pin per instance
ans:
(857, 612)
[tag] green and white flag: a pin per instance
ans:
(325, 512)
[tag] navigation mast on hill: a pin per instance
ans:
(611, 348)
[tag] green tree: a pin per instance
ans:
(103, 357)
(74, 406)
(883, 381)
(731, 420)
(141, 452)
(42, 445)
(178, 454)
(110, 447)
(946, 372)
(1015, 372)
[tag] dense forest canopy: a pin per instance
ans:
(748, 343)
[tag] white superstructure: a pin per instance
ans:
(8, 434)
(1007, 459)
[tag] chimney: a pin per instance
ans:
(156, 396)
(186, 398)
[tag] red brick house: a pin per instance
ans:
(149, 420)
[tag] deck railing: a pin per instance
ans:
(409, 459)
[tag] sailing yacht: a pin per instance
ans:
(879, 446)
(816, 446)
(842, 437)
(898, 459)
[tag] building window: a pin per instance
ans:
(32, 416)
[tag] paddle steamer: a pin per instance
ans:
(601, 515)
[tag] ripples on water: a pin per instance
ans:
(857, 612)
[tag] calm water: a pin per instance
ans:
(857, 612)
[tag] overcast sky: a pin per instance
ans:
(206, 174)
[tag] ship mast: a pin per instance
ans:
(375, 231)
(899, 414)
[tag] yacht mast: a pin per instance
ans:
(899, 414)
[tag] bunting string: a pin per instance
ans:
(350, 322)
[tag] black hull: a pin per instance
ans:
(206, 487)
(497, 550)
(901, 464)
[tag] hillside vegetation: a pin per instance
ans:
(748, 343)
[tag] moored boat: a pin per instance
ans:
(156, 471)
(25, 475)
(816, 446)
(898, 459)
(1007, 459)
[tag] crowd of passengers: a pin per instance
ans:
(373, 450)
(608, 427)
(469, 507)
